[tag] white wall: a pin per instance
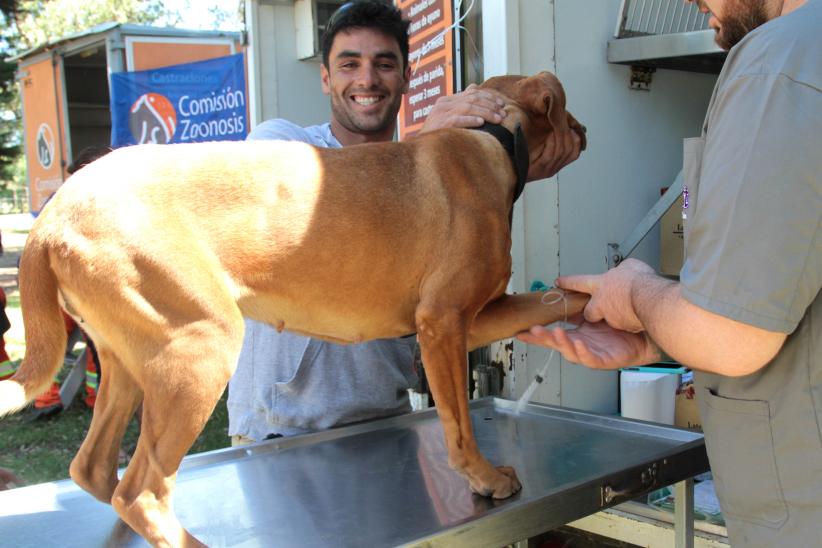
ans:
(634, 149)
(288, 88)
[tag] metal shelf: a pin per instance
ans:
(664, 34)
(689, 51)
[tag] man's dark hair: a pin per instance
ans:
(86, 156)
(368, 14)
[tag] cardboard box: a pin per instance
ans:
(671, 240)
(686, 410)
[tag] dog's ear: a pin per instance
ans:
(543, 94)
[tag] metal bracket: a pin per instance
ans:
(684, 514)
(641, 78)
(647, 480)
(616, 253)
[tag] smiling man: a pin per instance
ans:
(365, 73)
(746, 313)
(287, 384)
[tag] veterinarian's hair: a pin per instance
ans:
(368, 14)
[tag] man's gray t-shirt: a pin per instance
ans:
(753, 253)
(289, 384)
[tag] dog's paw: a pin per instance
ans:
(502, 485)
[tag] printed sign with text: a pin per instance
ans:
(431, 57)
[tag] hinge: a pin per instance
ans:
(641, 77)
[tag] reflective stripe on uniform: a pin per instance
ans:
(6, 369)
(91, 379)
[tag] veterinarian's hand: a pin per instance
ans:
(595, 345)
(470, 108)
(561, 148)
(611, 299)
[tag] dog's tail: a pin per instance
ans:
(44, 326)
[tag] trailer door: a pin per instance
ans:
(44, 128)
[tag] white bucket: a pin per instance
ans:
(648, 396)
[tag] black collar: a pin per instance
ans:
(517, 149)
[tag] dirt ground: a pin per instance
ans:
(14, 229)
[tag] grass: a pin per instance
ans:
(40, 451)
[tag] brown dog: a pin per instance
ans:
(159, 252)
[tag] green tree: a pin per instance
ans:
(10, 148)
(41, 21)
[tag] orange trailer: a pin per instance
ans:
(65, 89)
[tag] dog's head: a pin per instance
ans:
(537, 104)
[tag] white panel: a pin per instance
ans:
(634, 149)
(525, 28)
(252, 17)
(288, 88)
(500, 22)
(540, 260)
(305, 25)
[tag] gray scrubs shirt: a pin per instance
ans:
(753, 253)
(289, 384)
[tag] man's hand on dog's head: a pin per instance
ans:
(470, 108)
(474, 106)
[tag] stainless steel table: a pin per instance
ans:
(385, 483)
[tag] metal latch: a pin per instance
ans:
(647, 480)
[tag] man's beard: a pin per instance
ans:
(742, 16)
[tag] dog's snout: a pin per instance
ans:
(582, 132)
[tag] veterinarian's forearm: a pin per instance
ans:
(511, 314)
(696, 337)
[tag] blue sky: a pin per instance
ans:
(197, 13)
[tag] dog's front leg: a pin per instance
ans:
(509, 314)
(442, 335)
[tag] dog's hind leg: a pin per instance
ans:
(442, 335)
(183, 382)
(94, 468)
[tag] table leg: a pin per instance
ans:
(684, 514)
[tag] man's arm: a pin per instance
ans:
(633, 298)
(752, 253)
(699, 338)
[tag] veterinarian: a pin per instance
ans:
(286, 384)
(746, 313)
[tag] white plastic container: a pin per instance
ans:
(648, 395)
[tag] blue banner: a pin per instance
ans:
(202, 101)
